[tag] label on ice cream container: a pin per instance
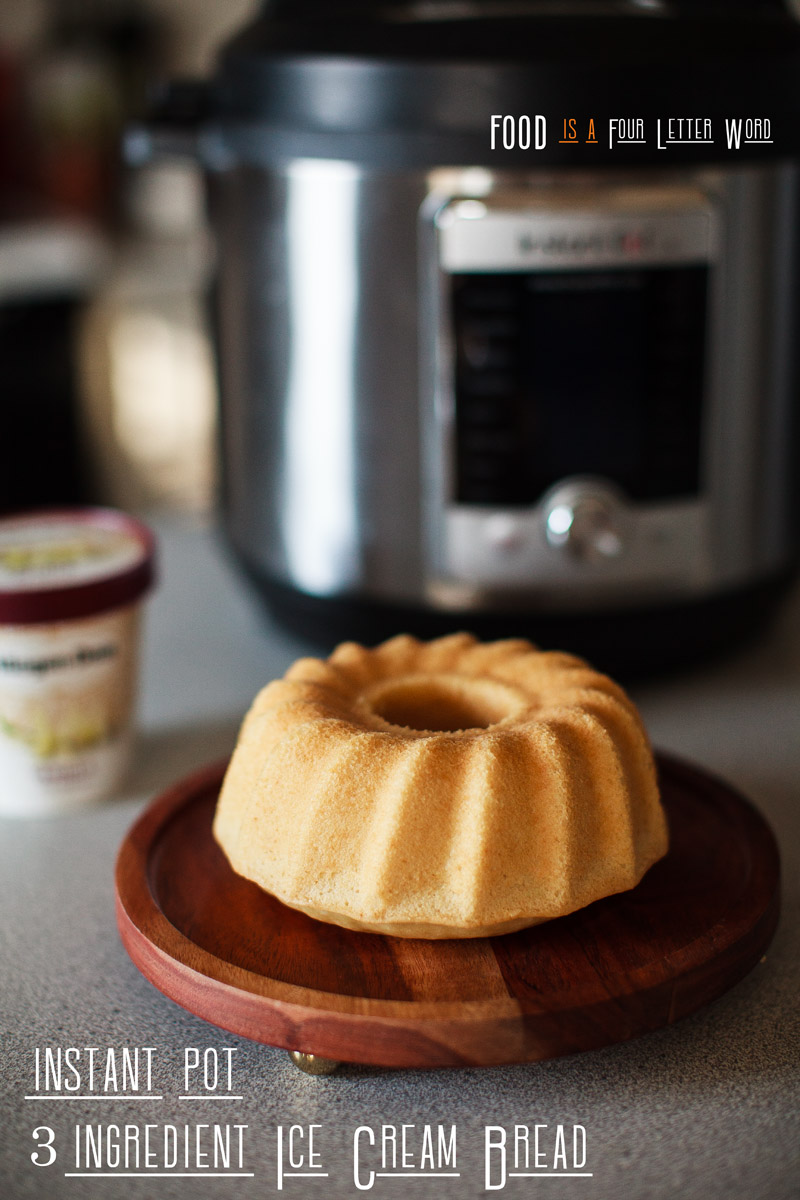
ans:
(69, 615)
(66, 701)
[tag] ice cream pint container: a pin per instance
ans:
(72, 584)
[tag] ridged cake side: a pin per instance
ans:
(337, 809)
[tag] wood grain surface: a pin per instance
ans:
(624, 966)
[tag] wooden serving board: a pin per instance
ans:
(626, 965)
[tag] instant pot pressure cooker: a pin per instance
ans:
(506, 321)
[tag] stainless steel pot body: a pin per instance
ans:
(339, 386)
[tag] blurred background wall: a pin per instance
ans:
(107, 390)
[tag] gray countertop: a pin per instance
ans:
(705, 1108)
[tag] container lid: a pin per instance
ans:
(66, 564)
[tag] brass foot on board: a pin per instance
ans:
(312, 1064)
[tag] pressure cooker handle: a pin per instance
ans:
(177, 124)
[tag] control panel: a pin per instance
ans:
(571, 389)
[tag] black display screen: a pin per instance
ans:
(575, 373)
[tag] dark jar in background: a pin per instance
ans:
(47, 271)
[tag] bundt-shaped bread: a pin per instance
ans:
(441, 789)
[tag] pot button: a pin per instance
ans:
(587, 524)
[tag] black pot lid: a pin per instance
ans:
(401, 83)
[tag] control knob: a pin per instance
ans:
(585, 518)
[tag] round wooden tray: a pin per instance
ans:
(626, 965)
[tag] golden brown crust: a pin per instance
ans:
(441, 789)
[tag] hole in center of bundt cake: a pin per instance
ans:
(434, 704)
